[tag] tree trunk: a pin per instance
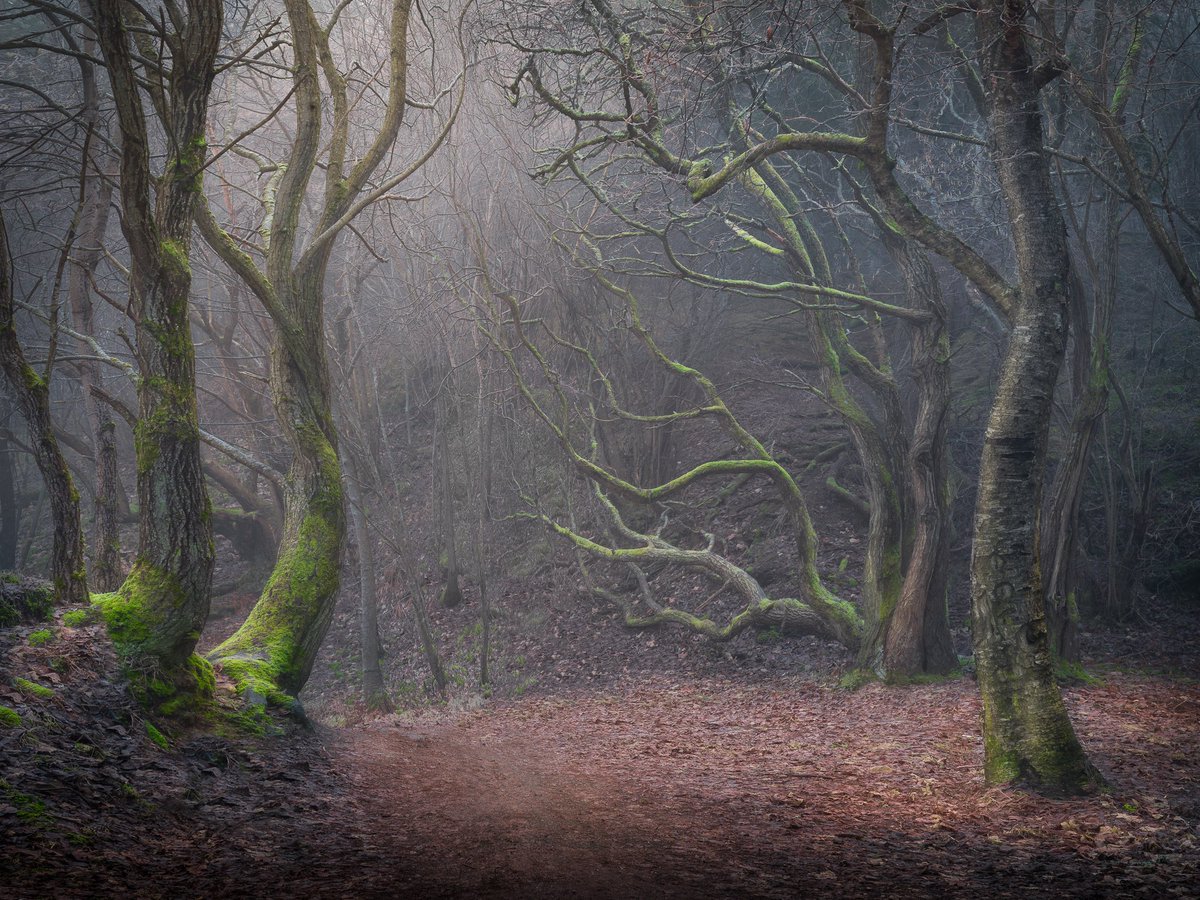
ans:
(159, 610)
(1060, 528)
(8, 507)
(374, 694)
(1027, 734)
(33, 399)
(918, 634)
(106, 571)
(272, 654)
(451, 593)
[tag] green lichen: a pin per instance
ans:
(157, 736)
(41, 637)
(33, 689)
(9, 718)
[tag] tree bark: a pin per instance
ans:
(374, 693)
(32, 393)
(106, 571)
(8, 505)
(1027, 734)
(918, 634)
(159, 610)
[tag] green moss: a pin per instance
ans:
(33, 689)
(925, 677)
(202, 670)
(30, 809)
(24, 600)
(9, 718)
(1000, 766)
(1074, 673)
(175, 259)
(263, 658)
(157, 736)
(41, 637)
(133, 613)
(75, 618)
(857, 678)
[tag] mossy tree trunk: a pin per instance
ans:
(1028, 736)
(271, 655)
(159, 610)
(32, 393)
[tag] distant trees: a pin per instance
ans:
(1027, 732)
(640, 67)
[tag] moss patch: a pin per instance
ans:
(857, 678)
(24, 599)
(157, 736)
(76, 618)
(41, 637)
(1074, 673)
(9, 718)
(33, 689)
(30, 809)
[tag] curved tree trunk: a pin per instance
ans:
(159, 610)
(33, 399)
(918, 634)
(1027, 734)
(272, 654)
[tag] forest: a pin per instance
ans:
(599, 448)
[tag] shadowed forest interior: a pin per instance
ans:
(607, 448)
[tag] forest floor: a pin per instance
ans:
(734, 784)
(602, 763)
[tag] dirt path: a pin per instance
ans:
(714, 791)
(701, 788)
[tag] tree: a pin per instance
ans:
(32, 392)
(620, 106)
(272, 653)
(159, 610)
